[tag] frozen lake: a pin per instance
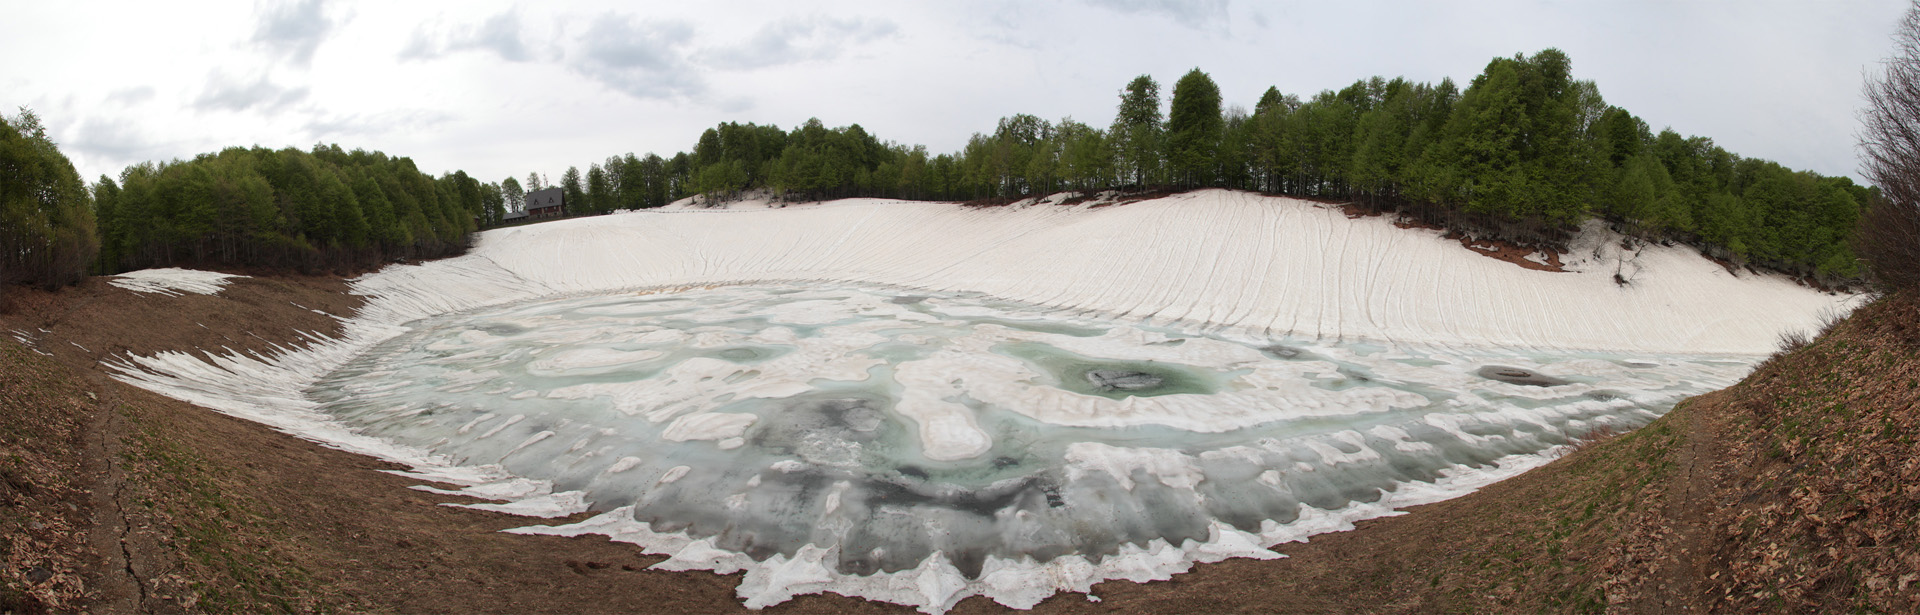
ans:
(919, 402)
(881, 427)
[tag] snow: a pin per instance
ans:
(172, 281)
(1264, 265)
(1230, 270)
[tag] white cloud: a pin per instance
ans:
(642, 58)
(1201, 14)
(128, 97)
(339, 126)
(796, 39)
(293, 29)
(502, 35)
(108, 142)
(225, 93)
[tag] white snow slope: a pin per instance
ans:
(1258, 266)
(1217, 257)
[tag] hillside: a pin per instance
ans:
(1232, 264)
(1602, 527)
(1788, 492)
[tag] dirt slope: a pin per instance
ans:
(1796, 490)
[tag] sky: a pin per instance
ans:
(502, 89)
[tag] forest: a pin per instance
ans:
(47, 233)
(1525, 153)
(287, 208)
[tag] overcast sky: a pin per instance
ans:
(502, 89)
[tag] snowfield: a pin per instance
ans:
(1266, 265)
(1215, 268)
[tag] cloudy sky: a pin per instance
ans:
(502, 88)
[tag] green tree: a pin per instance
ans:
(514, 197)
(1137, 133)
(1194, 126)
(573, 190)
(47, 233)
(599, 191)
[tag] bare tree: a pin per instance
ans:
(1889, 235)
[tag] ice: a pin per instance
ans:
(862, 438)
(930, 386)
(172, 281)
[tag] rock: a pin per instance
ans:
(1284, 352)
(38, 575)
(1515, 375)
(1122, 380)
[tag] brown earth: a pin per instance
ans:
(1500, 250)
(1797, 490)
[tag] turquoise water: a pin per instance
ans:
(778, 414)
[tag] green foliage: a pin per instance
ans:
(1525, 153)
(1137, 132)
(47, 219)
(513, 196)
(287, 208)
(1194, 127)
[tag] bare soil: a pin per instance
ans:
(1496, 249)
(1794, 491)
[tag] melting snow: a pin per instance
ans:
(172, 282)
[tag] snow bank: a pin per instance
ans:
(1265, 265)
(172, 281)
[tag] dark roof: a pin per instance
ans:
(542, 199)
(514, 215)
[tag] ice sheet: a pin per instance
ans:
(839, 435)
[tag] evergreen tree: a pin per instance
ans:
(1193, 130)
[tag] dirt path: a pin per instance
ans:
(121, 587)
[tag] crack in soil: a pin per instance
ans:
(113, 428)
(126, 552)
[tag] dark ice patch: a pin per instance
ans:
(1515, 375)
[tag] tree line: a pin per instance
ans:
(256, 207)
(1524, 153)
